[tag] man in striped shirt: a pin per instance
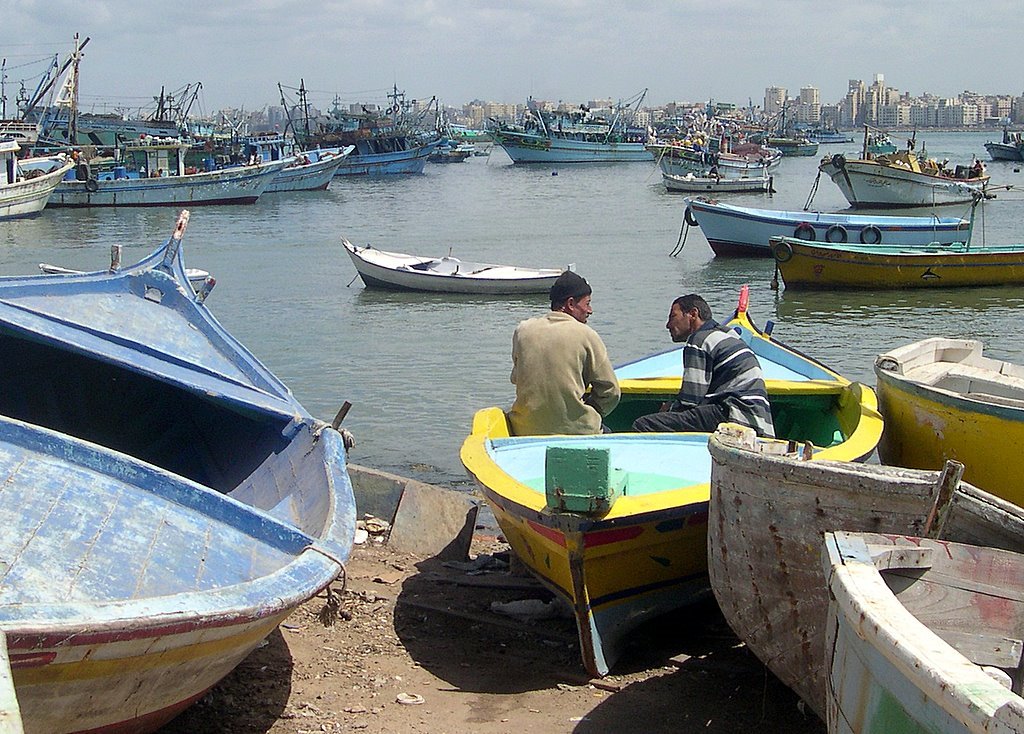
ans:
(722, 379)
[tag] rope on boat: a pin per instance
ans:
(681, 242)
(814, 190)
(353, 280)
(775, 277)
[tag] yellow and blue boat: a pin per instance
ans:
(639, 549)
(943, 399)
(818, 266)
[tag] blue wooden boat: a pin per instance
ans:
(166, 500)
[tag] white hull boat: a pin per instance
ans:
(398, 271)
(900, 180)
(692, 184)
(737, 230)
(24, 193)
(312, 170)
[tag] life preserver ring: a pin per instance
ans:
(839, 161)
(782, 251)
(91, 185)
(836, 234)
(804, 231)
(871, 235)
(690, 219)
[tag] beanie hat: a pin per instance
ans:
(569, 285)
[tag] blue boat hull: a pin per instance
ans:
(363, 162)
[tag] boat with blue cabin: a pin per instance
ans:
(582, 135)
(309, 170)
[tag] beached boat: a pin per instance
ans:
(152, 172)
(737, 230)
(943, 399)
(1010, 148)
(578, 136)
(903, 179)
(642, 549)
(925, 636)
(399, 271)
(167, 501)
(24, 193)
(770, 504)
(690, 183)
(812, 266)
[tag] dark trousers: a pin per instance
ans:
(700, 418)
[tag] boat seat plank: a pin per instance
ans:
(985, 649)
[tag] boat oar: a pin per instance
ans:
(949, 480)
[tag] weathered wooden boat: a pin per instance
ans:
(167, 501)
(698, 155)
(24, 193)
(196, 277)
(691, 183)
(399, 271)
(1010, 148)
(813, 266)
(580, 136)
(152, 172)
(770, 504)
(632, 544)
(738, 230)
(943, 399)
(925, 636)
(902, 179)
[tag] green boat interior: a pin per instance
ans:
(799, 417)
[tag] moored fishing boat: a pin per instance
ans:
(737, 230)
(641, 551)
(903, 179)
(24, 193)
(579, 136)
(813, 266)
(399, 271)
(152, 172)
(1010, 148)
(168, 501)
(915, 643)
(943, 399)
(308, 170)
(770, 504)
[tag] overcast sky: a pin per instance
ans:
(507, 50)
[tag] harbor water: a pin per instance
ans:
(417, 366)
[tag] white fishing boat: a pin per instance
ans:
(924, 636)
(691, 183)
(398, 271)
(903, 179)
(152, 172)
(309, 170)
(24, 192)
(738, 230)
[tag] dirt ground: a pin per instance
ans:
(416, 647)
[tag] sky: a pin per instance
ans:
(509, 50)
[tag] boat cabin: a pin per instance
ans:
(151, 157)
(9, 160)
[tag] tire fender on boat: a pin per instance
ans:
(836, 234)
(782, 252)
(871, 235)
(690, 219)
(92, 185)
(804, 231)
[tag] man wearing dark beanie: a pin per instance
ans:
(556, 359)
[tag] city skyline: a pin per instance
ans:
(461, 50)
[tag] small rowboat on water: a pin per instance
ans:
(812, 266)
(398, 271)
(925, 636)
(167, 501)
(738, 230)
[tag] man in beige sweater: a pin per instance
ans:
(556, 358)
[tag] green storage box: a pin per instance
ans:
(581, 480)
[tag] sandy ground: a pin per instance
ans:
(416, 647)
